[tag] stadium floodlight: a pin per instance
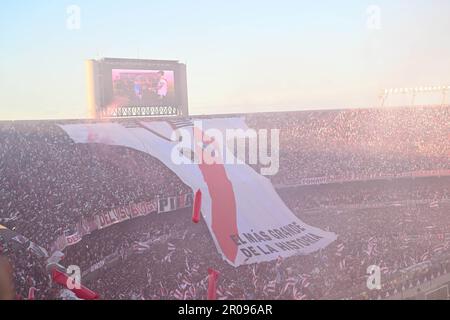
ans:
(413, 91)
(417, 89)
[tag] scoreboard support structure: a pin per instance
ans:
(126, 112)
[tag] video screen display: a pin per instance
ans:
(142, 88)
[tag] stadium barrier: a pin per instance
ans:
(365, 177)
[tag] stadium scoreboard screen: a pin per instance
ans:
(136, 88)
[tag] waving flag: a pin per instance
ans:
(140, 247)
(270, 288)
(298, 295)
(197, 207)
(212, 284)
(178, 294)
(31, 293)
(82, 293)
(247, 219)
(339, 249)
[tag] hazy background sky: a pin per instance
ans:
(242, 56)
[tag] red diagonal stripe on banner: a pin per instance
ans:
(223, 204)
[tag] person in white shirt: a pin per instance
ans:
(163, 86)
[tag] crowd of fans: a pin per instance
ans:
(358, 142)
(365, 193)
(48, 183)
(175, 265)
(28, 272)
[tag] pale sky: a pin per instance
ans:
(241, 56)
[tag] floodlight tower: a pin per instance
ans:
(413, 92)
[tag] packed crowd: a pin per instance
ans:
(358, 142)
(176, 263)
(47, 183)
(366, 194)
(29, 272)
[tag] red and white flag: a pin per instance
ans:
(84, 293)
(270, 288)
(31, 293)
(178, 294)
(247, 219)
(298, 295)
(197, 207)
(213, 276)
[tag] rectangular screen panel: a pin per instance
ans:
(142, 88)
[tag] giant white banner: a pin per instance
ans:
(248, 221)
